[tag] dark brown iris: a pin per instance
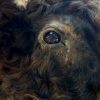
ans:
(52, 37)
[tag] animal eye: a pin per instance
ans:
(52, 37)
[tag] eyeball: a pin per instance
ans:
(52, 37)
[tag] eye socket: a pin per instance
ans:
(52, 37)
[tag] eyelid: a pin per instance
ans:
(52, 29)
(63, 27)
(55, 26)
(47, 29)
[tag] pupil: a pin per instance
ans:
(52, 37)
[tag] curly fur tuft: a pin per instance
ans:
(31, 69)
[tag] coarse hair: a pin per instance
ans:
(34, 67)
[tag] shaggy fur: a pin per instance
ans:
(31, 69)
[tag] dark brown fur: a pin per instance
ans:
(33, 69)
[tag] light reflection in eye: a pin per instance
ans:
(52, 37)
